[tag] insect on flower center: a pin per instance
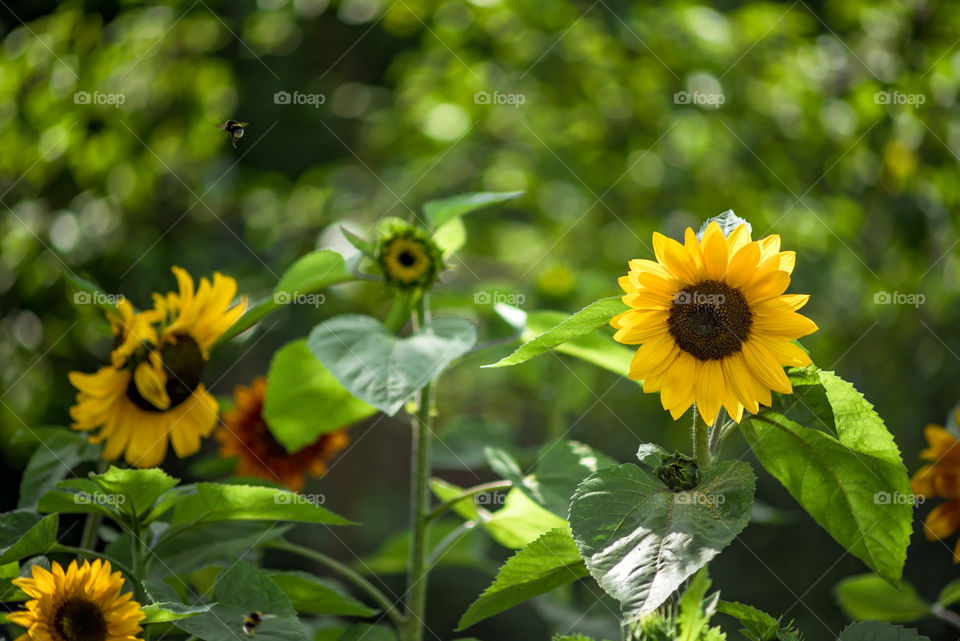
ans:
(80, 620)
(183, 364)
(709, 320)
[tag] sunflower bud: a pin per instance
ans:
(678, 472)
(407, 256)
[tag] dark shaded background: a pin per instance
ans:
(865, 192)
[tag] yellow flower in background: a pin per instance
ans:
(713, 323)
(245, 435)
(152, 392)
(940, 478)
(83, 603)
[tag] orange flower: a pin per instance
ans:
(245, 435)
(940, 478)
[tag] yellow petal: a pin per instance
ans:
(152, 384)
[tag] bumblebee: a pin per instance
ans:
(234, 129)
(252, 621)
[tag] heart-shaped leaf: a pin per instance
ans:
(641, 541)
(382, 369)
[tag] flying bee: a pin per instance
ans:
(234, 129)
(252, 621)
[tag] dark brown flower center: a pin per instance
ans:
(710, 320)
(183, 364)
(407, 259)
(80, 620)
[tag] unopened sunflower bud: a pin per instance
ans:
(678, 472)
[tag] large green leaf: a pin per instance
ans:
(238, 591)
(597, 348)
(304, 400)
(52, 461)
(591, 317)
(307, 276)
(641, 541)
(310, 593)
(80, 496)
(878, 631)
(25, 533)
(215, 543)
(381, 369)
(852, 483)
(549, 562)
(220, 502)
(439, 212)
(867, 597)
(135, 491)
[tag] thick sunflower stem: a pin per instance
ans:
(417, 569)
(701, 440)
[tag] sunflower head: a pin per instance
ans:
(408, 256)
(940, 478)
(83, 603)
(246, 436)
(152, 391)
(712, 321)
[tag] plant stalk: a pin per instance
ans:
(946, 615)
(701, 440)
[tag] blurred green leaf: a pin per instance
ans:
(867, 597)
(166, 611)
(439, 212)
(53, 460)
(218, 502)
(949, 594)
(309, 593)
(25, 533)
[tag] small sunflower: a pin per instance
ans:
(245, 435)
(408, 257)
(82, 604)
(712, 321)
(940, 478)
(152, 390)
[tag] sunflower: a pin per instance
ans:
(245, 435)
(82, 604)
(940, 478)
(408, 257)
(712, 321)
(152, 389)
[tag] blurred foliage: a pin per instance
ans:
(866, 192)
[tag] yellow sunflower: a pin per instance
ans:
(245, 435)
(82, 604)
(152, 391)
(712, 321)
(940, 478)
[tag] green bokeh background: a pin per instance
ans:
(865, 191)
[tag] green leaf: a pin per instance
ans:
(548, 562)
(312, 594)
(596, 348)
(364, 246)
(451, 237)
(134, 491)
(591, 317)
(950, 594)
(438, 212)
(877, 631)
(728, 222)
(167, 611)
(86, 291)
(52, 461)
(308, 275)
(392, 555)
(853, 484)
(696, 610)
(238, 591)
(641, 541)
(460, 445)
(209, 544)
(304, 400)
(757, 622)
(25, 533)
(79, 496)
(381, 369)
(520, 521)
(465, 507)
(368, 632)
(867, 597)
(220, 502)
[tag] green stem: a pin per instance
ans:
(450, 540)
(946, 615)
(467, 493)
(139, 566)
(81, 552)
(344, 571)
(88, 540)
(701, 440)
(417, 570)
